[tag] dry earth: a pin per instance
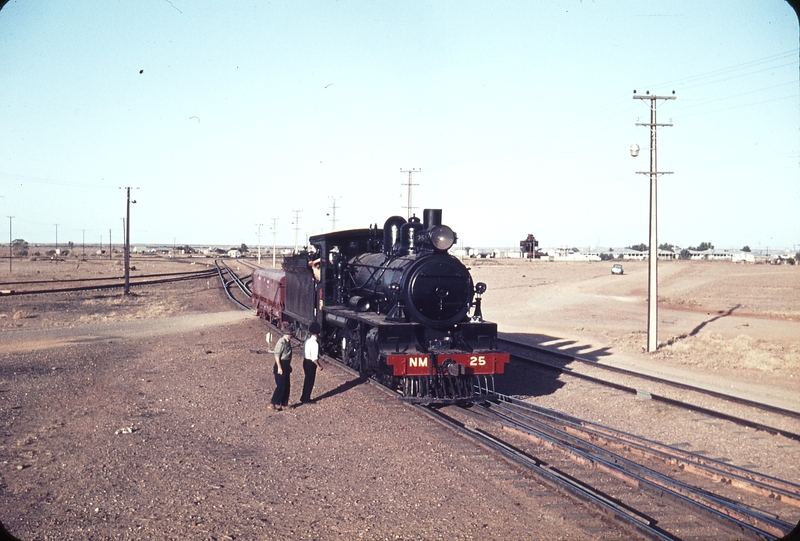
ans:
(144, 417)
(734, 326)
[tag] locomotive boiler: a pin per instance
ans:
(394, 305)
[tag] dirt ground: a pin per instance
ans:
(144, 417)
(719, 324)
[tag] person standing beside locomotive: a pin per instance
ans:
(281, 370)
(310, 362)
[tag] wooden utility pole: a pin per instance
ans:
(127, 230)
(10, 246)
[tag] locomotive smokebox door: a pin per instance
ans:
(438, 291)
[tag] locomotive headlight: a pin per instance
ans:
(442, 237)
(480, 288)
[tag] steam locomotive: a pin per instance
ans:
(392, 304)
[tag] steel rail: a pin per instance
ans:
(608, 507)
(660, 398)
(68, 280)
(195, 276)
(716, 470)
(222, 268)
(239, 281)
(711, 505)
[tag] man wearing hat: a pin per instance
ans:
(310, 361)
(282, 369)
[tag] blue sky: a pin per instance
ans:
(520, 115)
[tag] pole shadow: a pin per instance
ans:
(525, 379)
(720, 314)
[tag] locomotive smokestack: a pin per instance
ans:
(431, 218)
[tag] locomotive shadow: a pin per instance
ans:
(343, 388)
(521, 378)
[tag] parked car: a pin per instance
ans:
(617, 269)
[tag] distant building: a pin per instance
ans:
(667, 255)
(569, 254)
(629, 254)
(529, 247)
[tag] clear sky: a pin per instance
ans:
(519, 113)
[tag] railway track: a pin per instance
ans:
(653, 490)
(741, 411)
(659, 491)
(230, 279)
(40, 287)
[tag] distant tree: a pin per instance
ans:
(243, 248)
(606, 256)
(685, 254)
(746, 249)
(19, 247)
(667, 247)
(639, 247)
(703, 247)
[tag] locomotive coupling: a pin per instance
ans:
(452, 368)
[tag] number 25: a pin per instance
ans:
(477, 360)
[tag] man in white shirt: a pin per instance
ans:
(310, 362)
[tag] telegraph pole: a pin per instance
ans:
(333, 214)
(652, 273)
(274, 232)
(10, 246)
(296, 227)
(127, 290)
(259, 242)
(410, 172)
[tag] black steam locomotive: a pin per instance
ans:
(394, 305)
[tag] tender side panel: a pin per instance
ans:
(268, 293)
(300, 290)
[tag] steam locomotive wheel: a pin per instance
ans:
(350, 350)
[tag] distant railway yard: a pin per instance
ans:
(144, 416)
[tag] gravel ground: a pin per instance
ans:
(117, 434)
(145, 418)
